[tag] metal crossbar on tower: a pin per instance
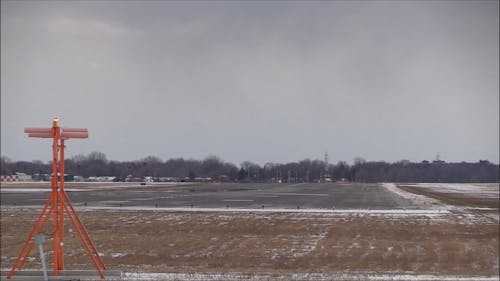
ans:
(58, 204)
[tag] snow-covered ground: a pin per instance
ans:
(299, 276)
(28, 189)
(6, 187)
(418, 198)
(430, 213)
(237, 276)
(44, 185)
(490, 190)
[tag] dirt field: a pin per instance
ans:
(277, 243)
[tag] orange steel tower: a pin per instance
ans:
(58, 203)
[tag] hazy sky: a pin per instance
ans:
(260, 81)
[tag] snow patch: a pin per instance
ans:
(402, 212)
(489, 190)
(299, 276)
(411, 196)
(118, 255)
(29, 189)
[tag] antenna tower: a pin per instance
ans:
(326, 161)
(58, 205)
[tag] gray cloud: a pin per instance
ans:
(263, 81)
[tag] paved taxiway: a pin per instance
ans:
(227, 195)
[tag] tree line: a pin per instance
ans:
(212, 168)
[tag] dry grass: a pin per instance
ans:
(158, 241)
(453, 198)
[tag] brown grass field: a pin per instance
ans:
(461, 242)
(163, 241)
(455, 198)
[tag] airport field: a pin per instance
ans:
(346, 231)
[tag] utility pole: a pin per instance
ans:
(280, 176)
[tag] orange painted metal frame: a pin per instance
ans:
(58, 204)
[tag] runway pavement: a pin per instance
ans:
(227, 195)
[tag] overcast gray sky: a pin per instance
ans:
(260, 81)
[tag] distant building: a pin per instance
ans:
(223, 178)
(202, 179)
(405, 162)
(16, 177)
(168, 179)
(78, 178)
(106, 179)
(101, 179)
(131, 178)
(12, 178)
